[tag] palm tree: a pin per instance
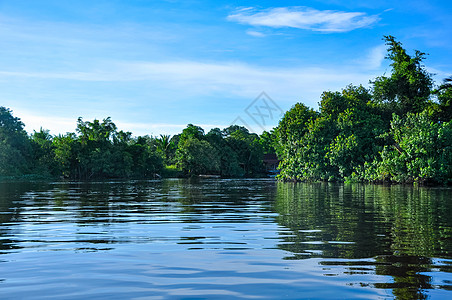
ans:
(447, 84)
(164, 145)
(444, 94)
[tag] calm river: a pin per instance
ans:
(224, 239)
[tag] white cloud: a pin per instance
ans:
(34, 121)
(61, 125)
(374, 58)
(304, 18)
(192, 80)
(438, 72)
(438, 75)
(156, 129)
(200, 78)
(255, 33)
(80, 76)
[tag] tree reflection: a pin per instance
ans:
(400, 227)
(12, 205)
(356, 229)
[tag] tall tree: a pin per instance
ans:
(15, 147)
(165, 145)
(267, 140)
(43, 153)
(408, 87)
(246, 148)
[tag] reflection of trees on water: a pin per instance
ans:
(400, 227)
(98, 205)
(327, 213)
(409, 282)
(85, 204)
(9, 213)
(395, 230)
(224, 198)
(12, 205)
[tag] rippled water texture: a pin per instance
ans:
(224, 239)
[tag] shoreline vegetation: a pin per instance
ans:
(397, 131)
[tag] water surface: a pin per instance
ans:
(223, 239)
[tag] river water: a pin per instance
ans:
(224, 239)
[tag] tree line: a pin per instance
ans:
(398, 130)
(98, 150)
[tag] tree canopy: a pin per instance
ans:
(397, 130)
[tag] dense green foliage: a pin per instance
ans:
(15, 148)
(231, 152)
(398, 130)
(97, 150)
(395, 131)
(420, 150)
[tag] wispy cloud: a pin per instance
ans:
(155, 129)
(255, 33)
(201, 78)
(34, 121)
(304, 18)
(374, 58)
(438, 75)
(61, 125)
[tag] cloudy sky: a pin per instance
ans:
(155, 66)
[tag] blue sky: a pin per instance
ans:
(155, 66)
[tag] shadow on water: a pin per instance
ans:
(398, 231)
